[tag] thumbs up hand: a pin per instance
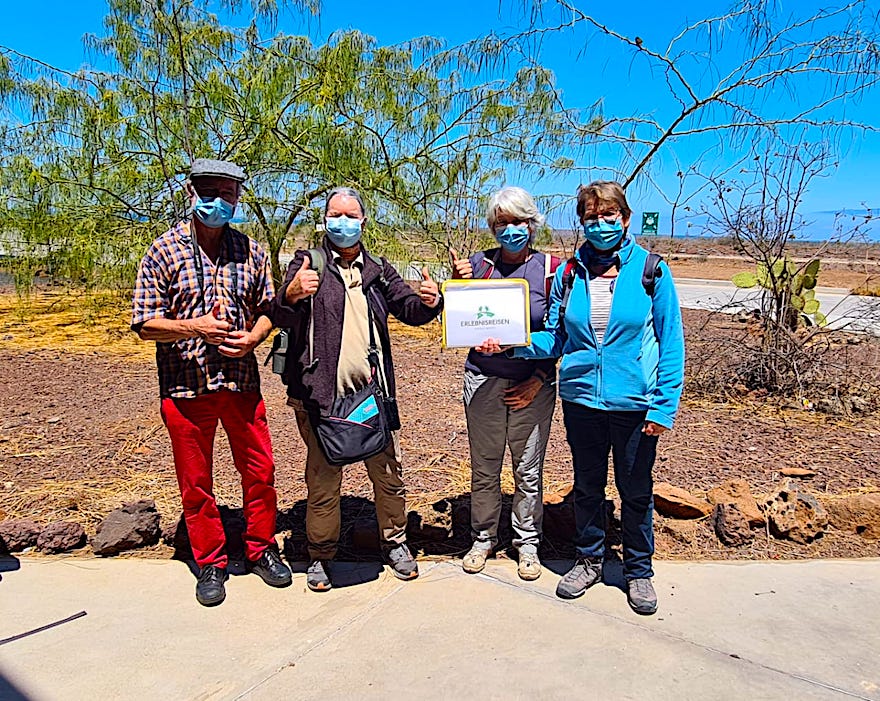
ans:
(461, 267)
(428, 290)
(304, 283)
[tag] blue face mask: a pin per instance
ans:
(213, 213)
(603, 235)
(512, 238)
(343, 232)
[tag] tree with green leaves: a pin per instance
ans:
(420, 129)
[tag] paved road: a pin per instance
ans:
(842, 309)
(800, 630)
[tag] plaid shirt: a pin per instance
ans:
(167, 287)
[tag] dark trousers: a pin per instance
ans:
(591, 434)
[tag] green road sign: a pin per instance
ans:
(650, 220)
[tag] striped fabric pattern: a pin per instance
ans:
(167, 287)
(601, 291)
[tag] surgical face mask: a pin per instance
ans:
(213, 213)
(512, 238)
(603, 235)
(343, 232)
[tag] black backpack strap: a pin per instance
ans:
(381, 263)
(318, 261)
(651, 272)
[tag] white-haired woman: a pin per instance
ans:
(508, 401)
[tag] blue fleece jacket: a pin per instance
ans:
(640, 364)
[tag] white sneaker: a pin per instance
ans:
(529, 567)
(475, 560)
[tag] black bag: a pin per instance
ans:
(357, 427)
(360, 423)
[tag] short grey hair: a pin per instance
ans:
(348, 192)
(516, 202)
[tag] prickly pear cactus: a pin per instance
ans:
(783, 276)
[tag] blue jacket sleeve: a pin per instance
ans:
(550, 342)
(670, 340)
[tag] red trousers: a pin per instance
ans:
(191, 424)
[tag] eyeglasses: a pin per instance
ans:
(610, 215)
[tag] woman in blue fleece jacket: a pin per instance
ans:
(620, 381)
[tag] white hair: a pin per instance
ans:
(517, 203)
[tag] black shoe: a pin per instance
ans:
(209, 589)
(271, 569)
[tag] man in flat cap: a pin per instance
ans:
(202, 293)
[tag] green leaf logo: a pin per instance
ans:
(484, 311)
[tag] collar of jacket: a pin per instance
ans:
(370, 273)
(624, 253)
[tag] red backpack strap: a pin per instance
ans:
(567, 284)
(489, 264)
(551, 263)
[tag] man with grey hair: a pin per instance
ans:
(202, 294)
(335, 300)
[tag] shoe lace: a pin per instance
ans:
(316, 567)
(210, 574)
(642, 588)
(582, 568)
(399, 554)
(271, 558)
(528, 559)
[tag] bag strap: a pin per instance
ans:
(551, 263)
(490, 264)
(373, 352)
(651, 272)
(567, 284)
(318, 263)
(200, 269)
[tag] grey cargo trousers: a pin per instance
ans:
(492, 426)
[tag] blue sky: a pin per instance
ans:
(586, 71)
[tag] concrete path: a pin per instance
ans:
(806, 630)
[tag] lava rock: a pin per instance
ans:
(732, 526)
(676, 502)
(133, 526)
(560, 495)
(859, 513)
(738, 493)
(18, 534)
(61, 536)
(795, 514)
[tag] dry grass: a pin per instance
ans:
(89, 501)
(61, 319)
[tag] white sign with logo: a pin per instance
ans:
(474, 310)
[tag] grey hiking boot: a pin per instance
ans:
(475, 560)
(641, 596)
(318, 576)
(402, 563)
(529, 567)
(579, 578)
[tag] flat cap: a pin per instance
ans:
(220, 169)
